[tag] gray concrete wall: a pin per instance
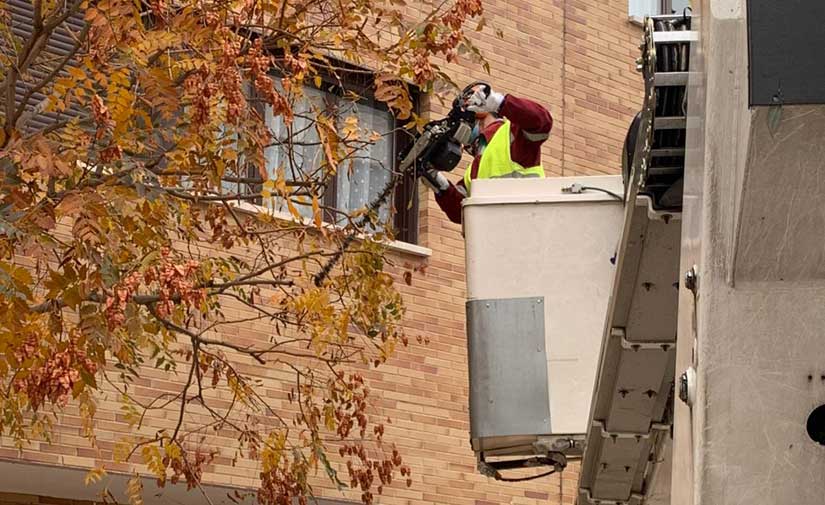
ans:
(754, 224)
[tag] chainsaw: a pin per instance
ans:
(440, 144)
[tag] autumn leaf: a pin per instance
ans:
(316, 211)
(329, 140)
(350, 128)
(394, 93)
(153, 459)
(94, 475)
(375, 136)
(121, 450)
(134, 490)
(272, 451)
(293, 210)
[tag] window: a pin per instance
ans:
(642, 8)
(296, 149)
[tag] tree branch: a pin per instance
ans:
(218, 288)
(244, 350)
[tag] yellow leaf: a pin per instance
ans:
(329, 417)
(134, 491)
(343, 327)
(154, 460)
(95, 475)
(238, 388)
(271, 453)
(121, 451)
(318, 81)
(280, 183)
(172, 451)
(350, 127)
(76, 72)
(22, 276)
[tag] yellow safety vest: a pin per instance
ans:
(496, 162)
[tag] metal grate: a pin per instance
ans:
(60, 43)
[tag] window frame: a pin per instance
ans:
(663, 8)
(404, 203)
(666, 7)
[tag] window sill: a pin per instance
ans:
(411, 249)
(393, 245)
(636, 20)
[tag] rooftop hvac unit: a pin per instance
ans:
(540, 256)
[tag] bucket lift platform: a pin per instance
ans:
(572, 287)
(539, 256)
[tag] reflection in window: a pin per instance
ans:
(296, 150)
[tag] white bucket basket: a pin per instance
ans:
(539, 274)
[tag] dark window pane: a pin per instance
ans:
(678, 6)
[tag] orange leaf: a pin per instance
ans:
(292, 209)
(316, 211)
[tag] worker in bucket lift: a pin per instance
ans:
(506, 142)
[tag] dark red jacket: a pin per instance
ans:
(530, 123)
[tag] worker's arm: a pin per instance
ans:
(450, 200)
(447, 195)
(533, 121)
(530, 126)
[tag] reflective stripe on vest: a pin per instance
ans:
(496, 162)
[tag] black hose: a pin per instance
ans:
(524, 479)
(494, 468)
(606, 191)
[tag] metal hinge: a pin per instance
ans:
(632, 345)
(616, 435)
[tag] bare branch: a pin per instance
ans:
(215, 288)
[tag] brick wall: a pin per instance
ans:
(577, 58)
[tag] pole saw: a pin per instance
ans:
(438, 147)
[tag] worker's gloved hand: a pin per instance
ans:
(484, 100)
(434, 180)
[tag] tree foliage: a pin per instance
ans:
(127, 244)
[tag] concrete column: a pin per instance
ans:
(754, 330)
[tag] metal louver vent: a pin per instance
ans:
(61, 42)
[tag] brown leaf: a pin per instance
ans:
(70, 204)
